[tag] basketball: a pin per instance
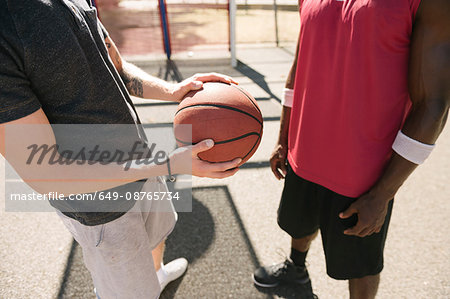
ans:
(224, 113)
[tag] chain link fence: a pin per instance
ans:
(195, 25)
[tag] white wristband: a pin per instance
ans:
(411, 149)
(288, 97)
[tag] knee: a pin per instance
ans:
(365, 287)
(303, 243)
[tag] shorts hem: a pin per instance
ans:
(297, 236)
(168, 232)
(356, 276)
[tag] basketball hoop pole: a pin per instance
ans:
(171, 68)
(232, 16)
(165, 28)
(275, 13)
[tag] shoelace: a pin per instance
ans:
(283, 268)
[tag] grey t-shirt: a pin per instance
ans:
(53, 56)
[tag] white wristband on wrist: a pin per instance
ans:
(288, 97)
(411, 149)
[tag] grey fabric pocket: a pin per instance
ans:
(121, 239)
(100, 236)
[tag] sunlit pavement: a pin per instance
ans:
(35, 248)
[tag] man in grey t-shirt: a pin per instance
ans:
(59, 66)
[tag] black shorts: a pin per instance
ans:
(306, 207)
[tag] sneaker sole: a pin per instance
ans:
(264, 285)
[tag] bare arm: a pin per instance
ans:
(76, 178)
(286, 112)
(429, 86)
(143, 85)
(278, 158)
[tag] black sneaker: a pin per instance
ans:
(287, 272)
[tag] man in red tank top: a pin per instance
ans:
(365, 100)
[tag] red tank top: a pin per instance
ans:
(351, 90)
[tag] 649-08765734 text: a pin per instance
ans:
(98, 195)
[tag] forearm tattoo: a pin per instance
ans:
(133, 84)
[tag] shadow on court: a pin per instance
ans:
(213, 239)
(221, 257)
(257, 78)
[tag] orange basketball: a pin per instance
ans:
(225, 113)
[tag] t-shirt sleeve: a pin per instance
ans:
(17, 98)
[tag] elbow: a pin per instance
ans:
(41, 187)
(435, 110)
(439, 110)
(427, 119)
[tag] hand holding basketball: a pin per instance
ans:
(196, 82)
(225, 113)
(199, 167)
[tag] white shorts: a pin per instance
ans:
(118, 254)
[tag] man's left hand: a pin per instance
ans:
(371, 211)
(196, 82)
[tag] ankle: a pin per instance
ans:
(298, 257)
(161, 273)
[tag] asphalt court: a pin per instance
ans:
(214, 241)
(417, 254)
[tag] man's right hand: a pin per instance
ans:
(278, 161)
(199, 167)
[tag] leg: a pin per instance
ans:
(298, 215)
(304, 243)
(169, 272)
(359, 260)
(158, 254)
(364, 288)
(161, 213)
(299, 249)
(115, 272)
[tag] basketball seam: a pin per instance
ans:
(246, 95)
(221, 106)
(256, 106)
(224, 141)
(231, 140)
(256, 142)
